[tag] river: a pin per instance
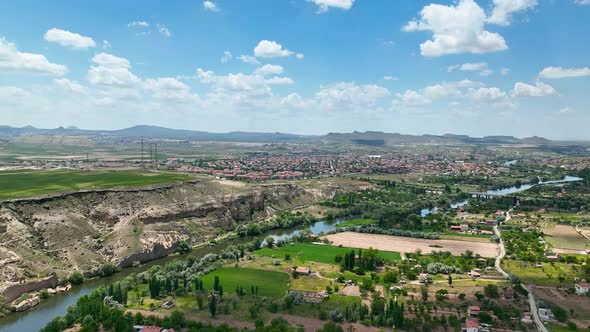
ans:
(38, 316)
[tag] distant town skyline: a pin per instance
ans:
(473, 67)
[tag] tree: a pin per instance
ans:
(216, 283)
(270, 241)
(441, 295)
(491, 291)
(450, 279)
(424, 293)
(213, 305)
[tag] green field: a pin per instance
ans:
(34, 183)
(270, 283)
(356, 222)
(315, 252)
(547, 275)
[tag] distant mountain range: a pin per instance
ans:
(372, 138)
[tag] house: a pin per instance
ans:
(455, 228)
(546, 314)
(582, 288)
(471, 325)
(303, 270)
(139, 328)
(474, 274)
(526, 317)
(553, 257)
(464, 227)
(473, 310)
(168, 305)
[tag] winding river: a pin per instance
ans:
(37, 317)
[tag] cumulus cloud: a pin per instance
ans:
(390, 78)
(480, 67)
(211, 6)
(559, 72)
(582, 2)
(249, 59)
(269, 70)
(540, 89)
(492, 96)
(169, 88)
(13, 60)
(503, 10)
(226, 57)
(163, 30)
(142, 24)
(324, 5)
(349, 96)
(111, 70)
(270, 49)
(70, 86)
(431, 93)
(69, 39)
(456, 29)
(299, 56)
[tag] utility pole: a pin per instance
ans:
(142, 152)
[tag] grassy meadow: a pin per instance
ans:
(304, 252)
(269, 283)
(22, 184)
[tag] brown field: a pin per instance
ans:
(407, 244)
(565, 237)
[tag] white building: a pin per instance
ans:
(582, 288)
(546, 314)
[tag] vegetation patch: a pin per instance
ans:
(34, 183)
(269, 283)
(357, 222)
(304, 252)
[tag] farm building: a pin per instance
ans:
(303, 270)
(473, 310)
(582, 288)
(471, 325)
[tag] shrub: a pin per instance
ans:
(76, 278)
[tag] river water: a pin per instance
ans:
(37, 317)
(40, 315)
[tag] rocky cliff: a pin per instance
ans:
(84, 230)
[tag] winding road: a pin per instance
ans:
(532, 303)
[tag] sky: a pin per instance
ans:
(475, 67)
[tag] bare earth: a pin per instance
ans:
(407, 244)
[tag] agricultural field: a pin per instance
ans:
(24, 184)
(304, 252)
(356, 222)
(554, 274)
(565, 237)
(269, 283)
(409, 245)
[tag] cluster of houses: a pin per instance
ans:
(141, 328)
(472, 324)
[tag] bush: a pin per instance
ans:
(76, 278)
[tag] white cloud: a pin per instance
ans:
(226, 57)
(540, 89)
(269, 70)
(559, 72)
(349, 96)
(431, 93)
(505, 71)
(270, 49)
(411, 99)
(13, 60)
(492, 96)
(210, 5)
(503, 10)
(111, 70)
(567, 110)
(480, 67)
(249, 59)
(70, 39)
(279, 81)
(456, 29)
(582, 2)
(142, 24)
(299, 56)
(324, 5)
(106, 44)
(163, 30)
(70, 86)
(170, 89)
(390, 78)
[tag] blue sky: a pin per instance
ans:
(477, 67)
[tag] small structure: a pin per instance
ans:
(546, 314)
(168, 305)
(471, 325)
(526, 317)
(140, 328)
(302, 270)
(582, 288)
(425, 278)
(474, 274)
(464, 227)
(473, 310)
(303, 296)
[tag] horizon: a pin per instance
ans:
(309, 67)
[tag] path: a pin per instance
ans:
(532, 303)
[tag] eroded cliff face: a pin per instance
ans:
(82, 231)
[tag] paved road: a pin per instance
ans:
(532, 303)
